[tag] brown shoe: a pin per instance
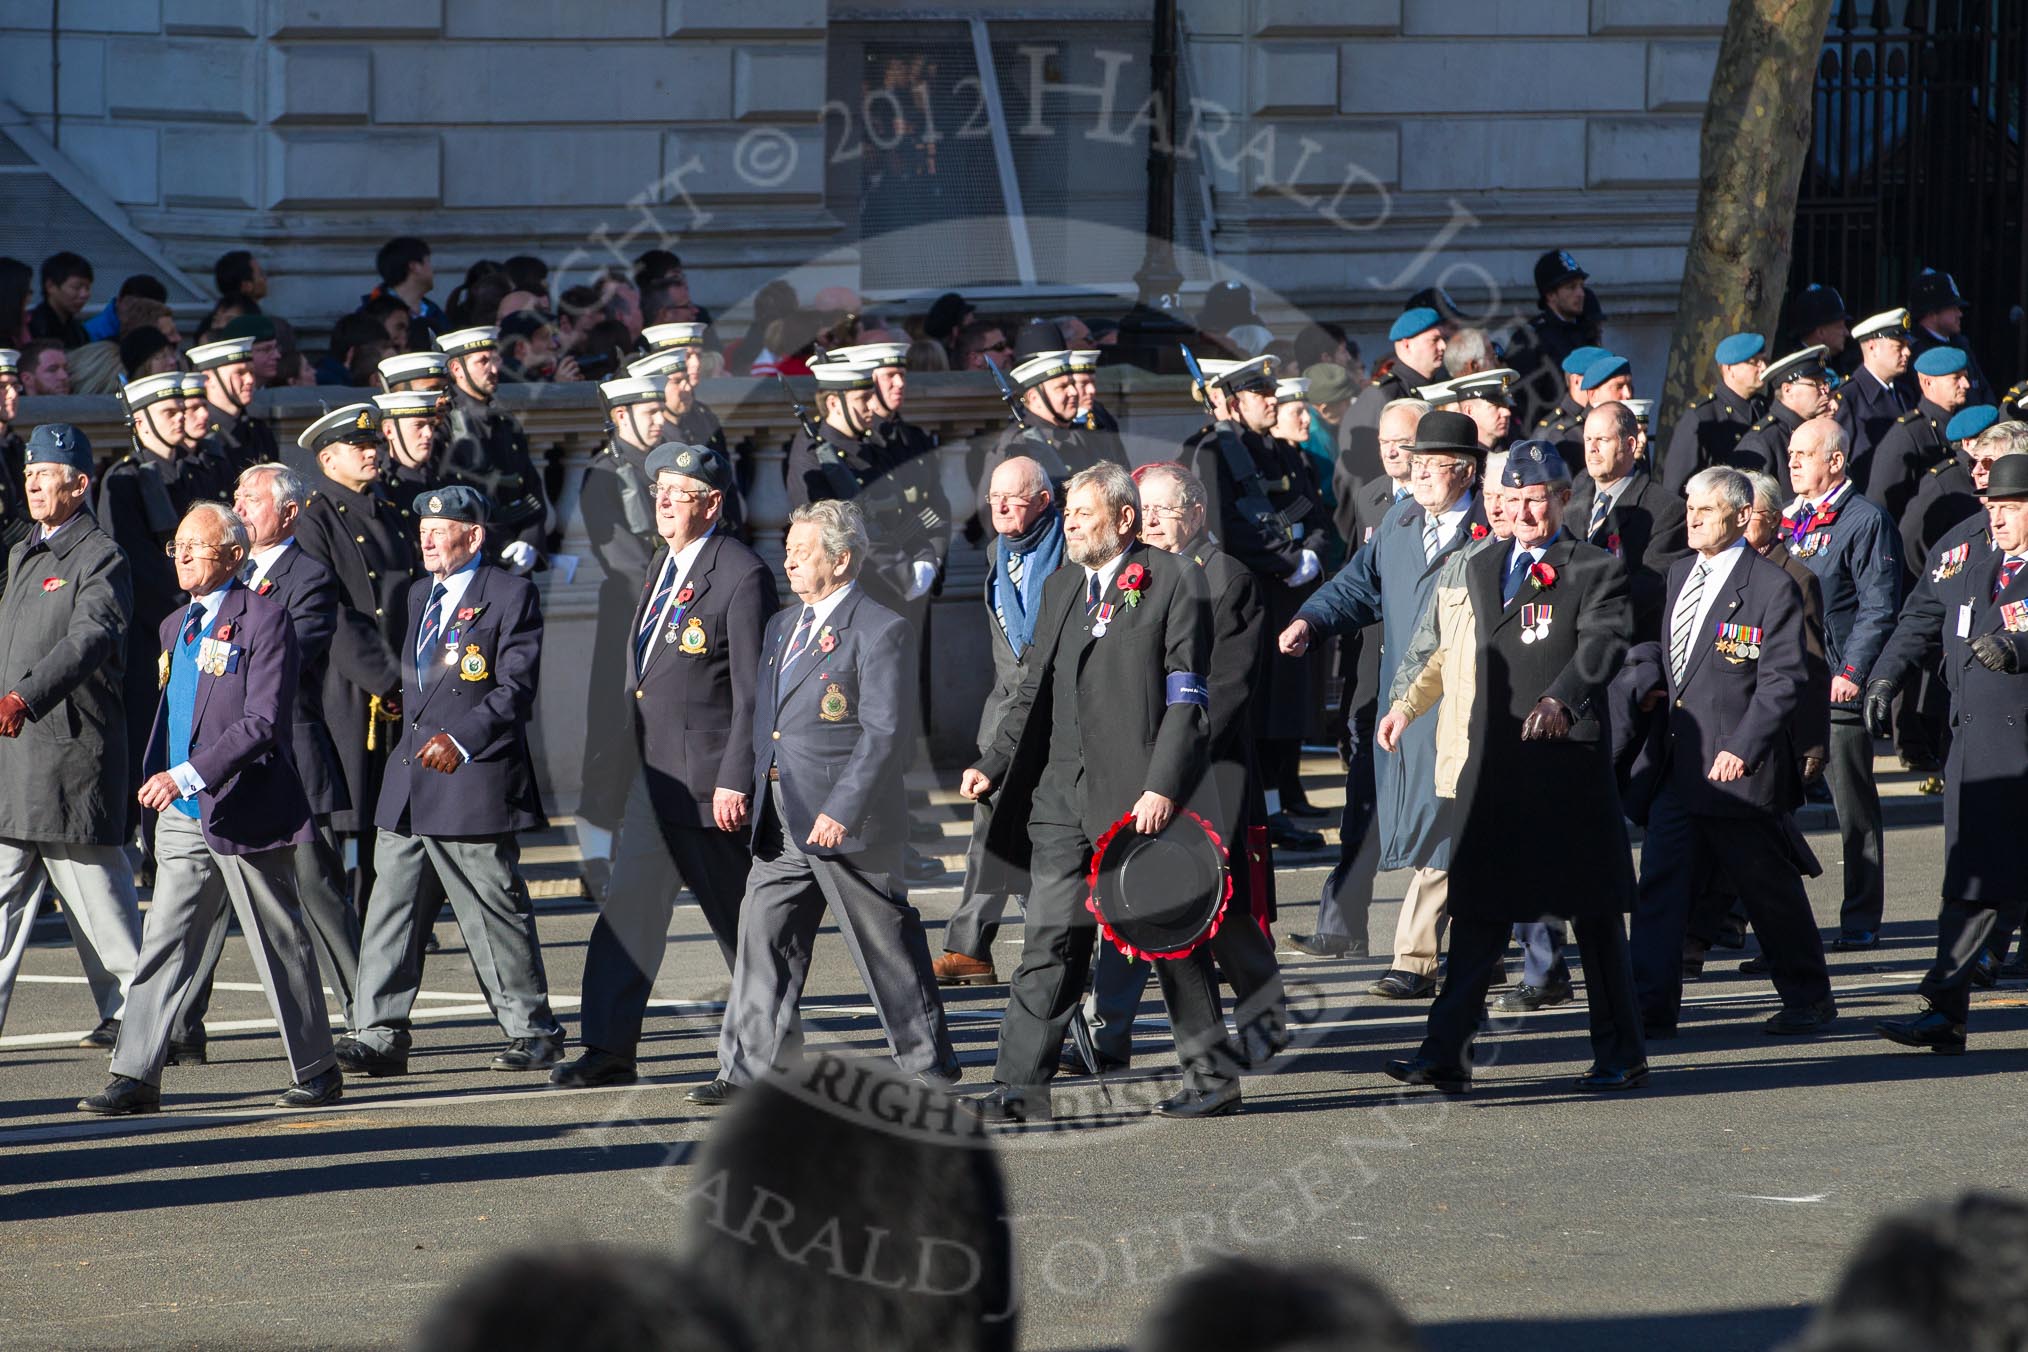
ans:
(959, 969)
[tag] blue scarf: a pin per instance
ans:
(1041, 550)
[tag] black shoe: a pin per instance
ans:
(1855, 941)
(1444, 1079)
(1284, 834)
(314, 1092)
(1188, 1102)
(529, 1053)
(918, 868)
(1731, 934)
(1986, 971)
(714, 1095)
(1659, 1032)
(1398, 985)
(1802, 1019)
(124, 1097)
(1694, 953)
(1919, 762)
(1525, 998)
(1317, 946)
(1936, 1031)
(1606, 1079)
(594, 1069)
(103, 1036)
(1071, 1064)
(1304, 808)
(1005, 1107)
(1758, 965)
(356, 1058)
(924, 831)
(186, 1053)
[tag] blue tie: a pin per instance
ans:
(193, 623)
(644, 640)
(1515, 572)
(426, 638)
(1092, 592)
(800, 639)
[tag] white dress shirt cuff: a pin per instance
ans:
(188, 782)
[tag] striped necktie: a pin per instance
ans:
(1685, 621)
(2009, 570)
(1014, 566)
(1598, 513)
(652, 616)
(426, 637)
(193, 623)
(800, 639)
(1430, 538)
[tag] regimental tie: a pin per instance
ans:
(193, 623)
(1092, 591)
(426, 637)
(2009, 570)
(1014, 566)
(1598, 513)
(1430, 539)
(651, 618)
(801, 638)
(1685, 623)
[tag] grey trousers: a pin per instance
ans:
(481, 877)
(192, 887)
(1861, 827)
(787, 893)
(97, 886)
(334, 932)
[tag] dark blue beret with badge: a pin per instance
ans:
(1534, 462)
(1969, 421)
(1421, 319)
(59, 444)
(1940, 361)
(1740, 347)
(701, 463)
(455, 502)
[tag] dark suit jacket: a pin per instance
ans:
(1234, 797)
(306, 590)
(835, 732)
(1360, 512)
(1906, 452)
(1866, 409)
(239, 730)
(693, 706)
(1730, 702)
(1135, 739)
(1813, 712)
(484, 704)
(1644, 528)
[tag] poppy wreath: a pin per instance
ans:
(1091, 901)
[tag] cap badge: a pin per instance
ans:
(436, 503)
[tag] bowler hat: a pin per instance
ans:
(1160, 895)
(1442, 430)
(2008, 479)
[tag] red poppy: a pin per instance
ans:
(683, 597)
(1541, 575)
(50, 584)
(1613, 542)
(224, 632)
(1479, 532)
(1132, 578)
(827, 640)
(267, 585)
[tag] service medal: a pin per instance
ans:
(832, 708)
(162, 671)
(473, 665)
(694, 641)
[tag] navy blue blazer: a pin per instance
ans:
(1730, 698)
(239, 729)
(308, 591)
(835, 732)
(485, 700)
(1866, 409)
(1856, 556)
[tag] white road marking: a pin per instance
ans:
(1755, 1197)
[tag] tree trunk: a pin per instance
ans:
(1756, 134)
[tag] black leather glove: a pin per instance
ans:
(1880, 708)
(1548, 721)
(1996, 654)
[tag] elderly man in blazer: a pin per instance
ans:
(693, 652)
(63, 753)
(829, 752)
(1617, 505)
(459, 787)
(1724, 764)
(267, 501)
(1112, 718)
(230, 812)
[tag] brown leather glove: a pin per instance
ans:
(1548, 721)
(13, 713)
(440, 753)
(1813, 767)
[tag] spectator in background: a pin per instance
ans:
(577, 312)
(266, 357)
(240, 276)
(530, 274)
(145, 352)
(110, 322)
(667, 302)
(66, 290)
(1241, 1304)
(1323, 342)
(45, 367)
(390, 313)
(17, 289)
(604, 352)
(655, 267)
(1229, 306)
(980, 339)
(213, 328)
(622, 302)
(1106, 333)
(949, 315)
(358, 342)
(139, 312)
(514, 302)
(927, 354)
(475, 303)
(95, 367)
(1471, 351)
(1076, 333)
(528, 348)
(406, 271)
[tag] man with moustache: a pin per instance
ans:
(1419, 342)
(1617, 506)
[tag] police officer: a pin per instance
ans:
(1797, 390)
(1949, 493)
(1938, 315)
(229, 387)
(1916, 443)
(1970, 609)
(1567, 321)
(352, 527)
(1818, 318)
(1879, 389)
(1419, 346)
(617, 504)
(487, 450)
(1710, 429)
(14, 522)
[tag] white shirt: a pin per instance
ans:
(1716, 570)
(1448, 521)
(261, 560)
(1105, 575)
(824, 608)
(188, 782)
(683, 560)
(454, 591)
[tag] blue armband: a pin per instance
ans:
(1187, 687)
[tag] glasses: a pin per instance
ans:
(1001, 346)
(1155, 513)
(1010, 499)
(663, 494)
(176, 549)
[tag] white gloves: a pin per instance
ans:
(925, 578)
(519, 556)
(1309, 570)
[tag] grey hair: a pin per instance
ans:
(1733, 487)
(841, 528)
(1471, 350)
(1767, 490)
(1189, 487)
(1033, 479)
(1115, 487)
(285, 486)
(234, 528)
(1623, 418)
(1420, 407)
(2008, 438)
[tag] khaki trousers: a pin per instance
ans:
(1419, 932)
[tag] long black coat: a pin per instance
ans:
(1644, 527)
(1499, 871)
(1707, 434)
(306, 590)
(63, 648)
(1765, 446)
(1866, 409)
(1944, 500)
(1911, 447)
(1986, 774)
(1233, 798)
(14, 523)
(619, 520)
